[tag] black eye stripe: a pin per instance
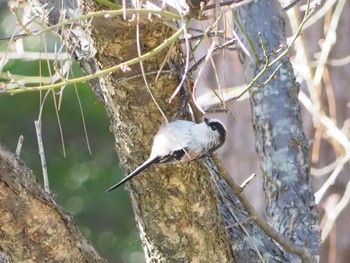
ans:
(217, 126)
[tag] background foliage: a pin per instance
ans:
(79, 180)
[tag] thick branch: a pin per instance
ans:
(32, 226)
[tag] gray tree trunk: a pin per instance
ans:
(280, 140)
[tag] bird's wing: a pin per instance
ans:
(173, 156)
(138, 170)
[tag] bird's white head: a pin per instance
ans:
(215, 133)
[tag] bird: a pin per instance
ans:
(181, 141)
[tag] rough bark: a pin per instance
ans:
(32, 227)
(175, 209)
(175, 212)
(280, 140)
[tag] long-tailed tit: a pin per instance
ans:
(182, 141)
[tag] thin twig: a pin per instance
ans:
(83, 120)
(139, 52)
(103, 13)
(19, 145)
(102, 72)
(31, 55)
(302, 252)
(197, 79)
(269, 64)
(293, 3)
(331, 179)
(37, 124)
(232, 212)
(222, 4)
(247, 181)
(187, 60)
(217, 48)
(328, 42)
(321, 12)
(333, 215)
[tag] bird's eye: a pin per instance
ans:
(213, 128)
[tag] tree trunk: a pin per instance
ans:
(280, 140)
(174, 205)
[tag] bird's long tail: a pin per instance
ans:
(138, 170)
